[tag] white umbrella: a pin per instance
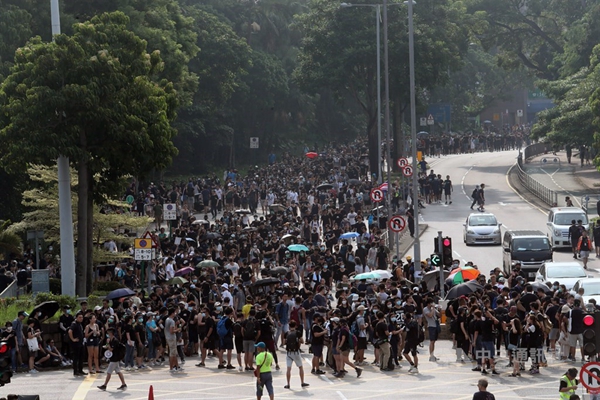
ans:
(201, 222)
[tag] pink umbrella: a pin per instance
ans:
(184, 271)
(312, 154)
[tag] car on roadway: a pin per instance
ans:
(482, 228)
(566, 273)
(559, 221)
(591, 289)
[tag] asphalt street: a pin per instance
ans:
(444, 379)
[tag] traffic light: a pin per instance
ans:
(436, 260)
(436, 246)
(5, 364)
(447, 251)
(591, 334)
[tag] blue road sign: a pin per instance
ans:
(442, 113)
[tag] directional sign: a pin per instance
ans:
(407, 171)
(589, 376)
(397, 223)
(376, 195)
(170, 212)
(402, 162)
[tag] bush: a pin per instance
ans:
(55, 286)
(60, 299)
(108, 286)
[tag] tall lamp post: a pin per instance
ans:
(377, 24)
(413, 131)
(67, 252)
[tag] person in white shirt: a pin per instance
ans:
(225, 294)
(233, 267)
(270, 198)
(352, 216)
(170, 269)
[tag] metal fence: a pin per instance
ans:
(10, 291)
(548, 196)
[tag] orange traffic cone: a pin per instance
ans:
(151, 393)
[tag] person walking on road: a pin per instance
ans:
(584, 246)
(483, 394)
(481, 198)
(596, 238)
(448, 189)
(292, 343)
(574, 234)
(568, 384)
(117, 354)
(264, 378)
(475, 195)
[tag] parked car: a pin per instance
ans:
(482, 228)
(566, 273)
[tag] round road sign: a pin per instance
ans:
(407, 171)
(589, 376)
(397, 223)
(402, 162)
(376, 195)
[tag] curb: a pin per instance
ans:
(405, 245)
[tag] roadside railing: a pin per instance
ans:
(10, 291)
(548, 196)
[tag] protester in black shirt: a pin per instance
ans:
(411, 327)
(483, 394)
(76, 338)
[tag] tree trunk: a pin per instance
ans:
(82, 229)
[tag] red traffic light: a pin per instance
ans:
(447, 242)
(4, 348)
(588, 320)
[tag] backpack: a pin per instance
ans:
(353, 341)
(292, 344)
(294, 314)
(249, 329)
(222, 330)
(354, 328)
(421, 334)
(546, 324)
(474, 194)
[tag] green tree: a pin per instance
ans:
(91, 97)
(10, 243)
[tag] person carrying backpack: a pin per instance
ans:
(117, 353)
(225, 332)
(292, 344)
(475, 196)
(250, 333)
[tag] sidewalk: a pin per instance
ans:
(554, 172)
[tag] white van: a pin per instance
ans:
(559, 221)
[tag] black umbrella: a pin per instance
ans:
(464, 289)
(354, 182)
(539, 285)
(120, 293)
(45, 310)
(212, 235)
(265, 282)
(325, 186)
(276, 271)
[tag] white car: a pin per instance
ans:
(566, 273)
(482, 228)
(591, 289)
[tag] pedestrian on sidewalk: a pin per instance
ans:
(117, 353)
(596, 238)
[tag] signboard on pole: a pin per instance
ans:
(142, 249)
(589, 376)
(423, 121)
(397, 223)
(170, 212)
(430, 120)
(402, 162)
(254, 143)
(407, 171)
(376, 195)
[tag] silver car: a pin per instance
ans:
(482, 228)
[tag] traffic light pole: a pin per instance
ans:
(442, 289)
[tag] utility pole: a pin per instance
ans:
(387, 110)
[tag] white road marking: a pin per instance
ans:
(459, 256)
(560, 187)
(341, 395)
(462, 183)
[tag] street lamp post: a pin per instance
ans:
(413, 131)
(377, 25)
(67, 252)
(386, 62)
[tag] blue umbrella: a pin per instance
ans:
(349, 235)
(297, 247)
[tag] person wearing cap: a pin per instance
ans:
(264, 360)
(568, 384)
(225, 294)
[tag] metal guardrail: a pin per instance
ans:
(10, 291)
(548, 196)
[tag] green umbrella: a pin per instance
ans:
(207, 264)
(297, 247)
(178, 281)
